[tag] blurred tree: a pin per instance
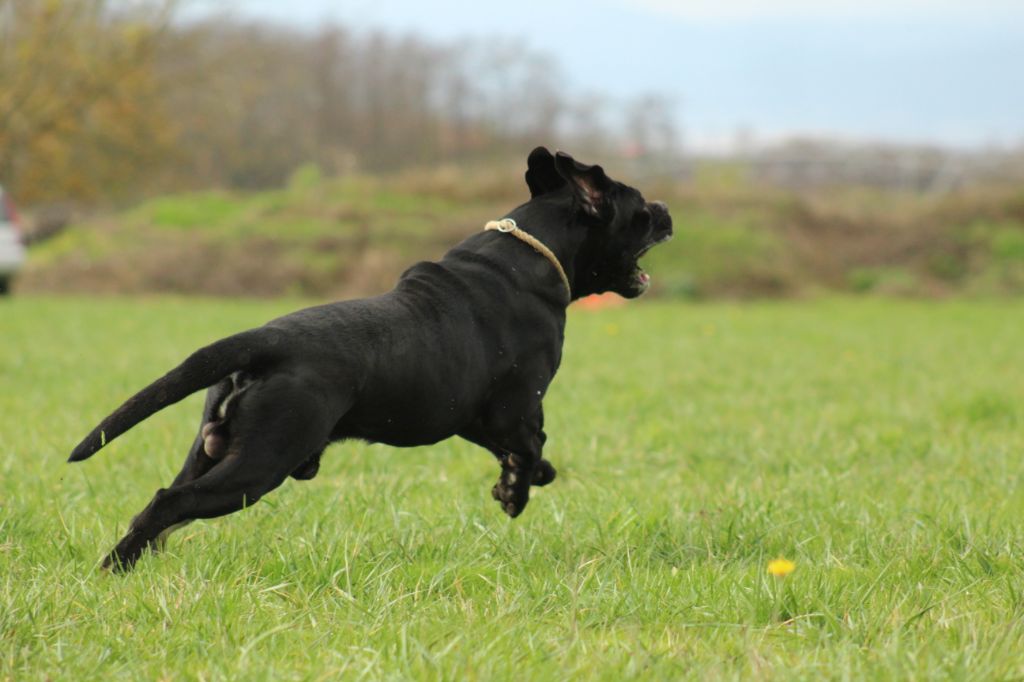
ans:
(80, 104)
(651, 126)
(105, 100)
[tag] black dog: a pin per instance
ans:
(465, 346)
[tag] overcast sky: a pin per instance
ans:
(948, 71)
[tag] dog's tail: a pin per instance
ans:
(202, 369)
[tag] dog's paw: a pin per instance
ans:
(122, 559)
(512, 501)
(543, 473)
(512, 490)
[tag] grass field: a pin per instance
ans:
(879, 445)
(353, 235)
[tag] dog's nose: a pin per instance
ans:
(661, 216)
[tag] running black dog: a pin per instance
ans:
(465, 346)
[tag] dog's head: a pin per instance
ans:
(620, 225)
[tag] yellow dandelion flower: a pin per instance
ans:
(780, 568)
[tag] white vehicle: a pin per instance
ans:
(12, 252)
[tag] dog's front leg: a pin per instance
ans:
(477, 434)
(519, 448)
(511, 426)
(517, 476)
(543, 471)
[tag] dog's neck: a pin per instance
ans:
(550, 219)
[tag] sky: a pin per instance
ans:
(946, 72)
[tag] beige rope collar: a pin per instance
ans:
(508, 226)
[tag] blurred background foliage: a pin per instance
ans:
(231, 156)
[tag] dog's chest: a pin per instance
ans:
(436, 405)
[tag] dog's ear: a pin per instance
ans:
(541, 175)
(589, 183)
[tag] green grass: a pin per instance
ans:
(354, 234)
(877, 444)
(317, 237)
(713, 254)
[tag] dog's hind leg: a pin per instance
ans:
(308, 469)
(221, 405)
(278, 426)
(196, 465)
(197, 462)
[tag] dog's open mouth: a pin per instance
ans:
(640, 279)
